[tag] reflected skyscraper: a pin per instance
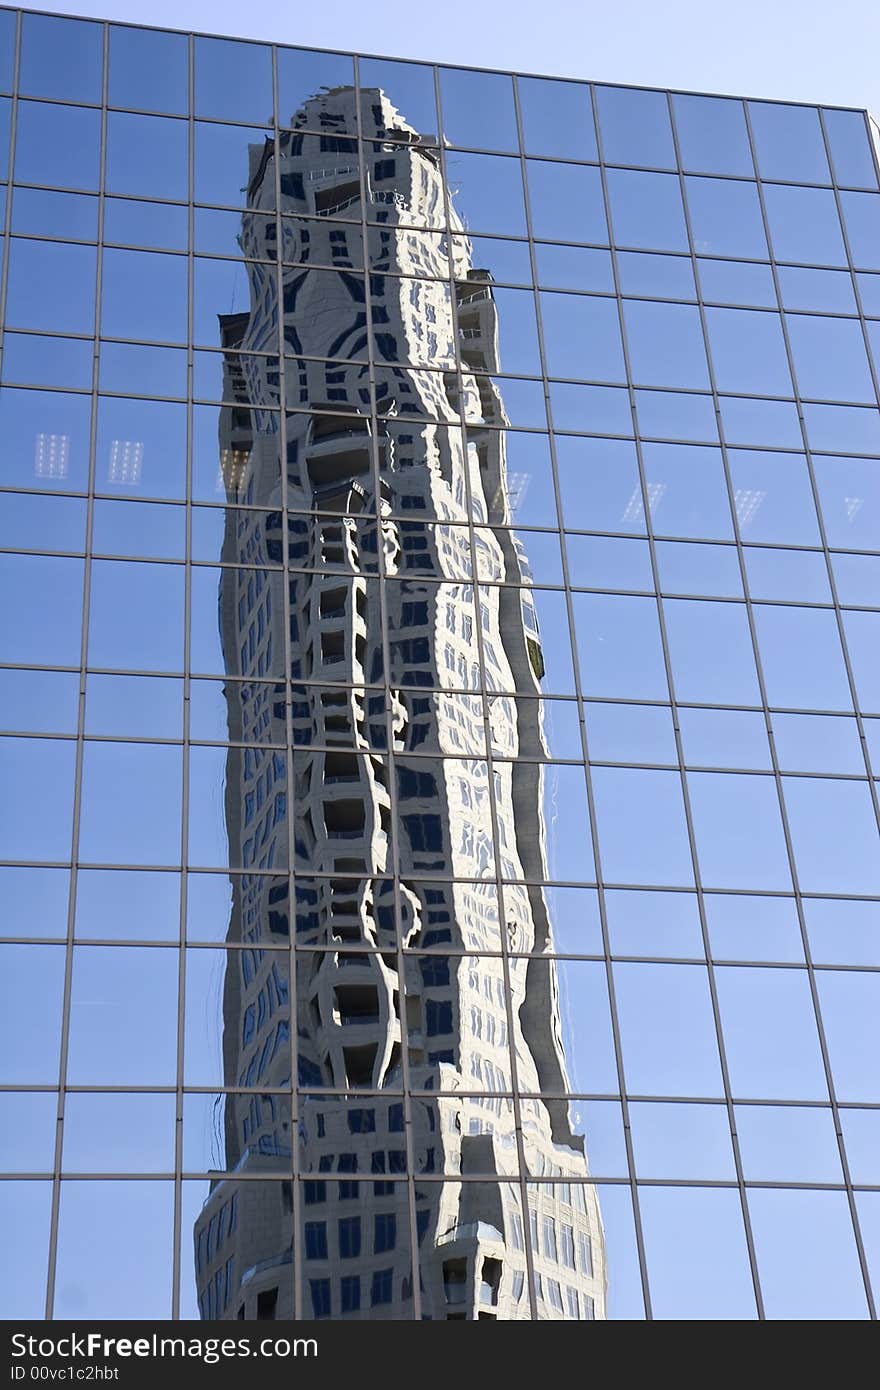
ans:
(404, 624)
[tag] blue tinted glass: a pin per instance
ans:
(843, 428)
(619, 646)
(301, 76)
(751, 422)
(144, 296)
(566, 202)
(40, 157)
(635, 127)
(233, 81)
(146, 224)
(726, 218)
(797, 575)
(408, 86)
(861, 213)
(51, 286)
(735, 282)
(7, 49)
(748, 352)
(591, 409)
(582, 338)
(149, 70)
(712, 135)
(489, 192)
(47, 361)
(670, 415)
(599, 483)
(804, 225)
(802, 658)
(829, 358)
(710, 647)
(788, 142)
(641, 826)
(665, 344)
(686, 567)
(573, 268)
(646, 210)
(557, 118)
(37, 212)
(850, 145)
(478, 109)
(147, 156)
(828, 291)
(61, 58)
(773, 497)
(660, 277)
(221, 167)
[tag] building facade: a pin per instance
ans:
(441, 690)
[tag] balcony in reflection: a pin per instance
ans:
(406, 1142)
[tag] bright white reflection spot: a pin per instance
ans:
(51, 455)
(747, 500)
(126, 460)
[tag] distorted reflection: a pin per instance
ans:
(391, 855)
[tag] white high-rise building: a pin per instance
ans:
(404, 574)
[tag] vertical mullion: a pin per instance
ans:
(80, 729)
(294, 1098)
(591, 802)
(185, 752)
(811, 971)
(10, 171)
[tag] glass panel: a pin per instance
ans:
(557, 118)
(665, 344)
(641, 826)
(830, 359)
(635, 127)
(233, 81)
(841, 932)
(40, 157)
(582, 337)
(818, 743)
(222, 163)
(31, 1017)
(726, 218)
(478, 109)
(788, 1144)
(118, 1134)
(408, 86)
(796, 1232)
(40, 702)
(667, 1030)
(37, 212)
(801, 658)
(646, 210)
(61, 58)
(134, 706)
(712, 135)
(150, 831)
(301, 77)
(724, 738)
(42, 609)
(834, 835)
(51, 287)
(127, 368)
(748, 352)
(141, 447)
(804, 225)
(599, 484)
(828, 291)
(710, 648)
(696, 1252)
(29, 1124)
(799, 575)
(861, 638)
(738, 832)
(147, 156)
(566, 202)
(149, 70)
(126, 904)
(681, 1141)
(653, 924)
(48, 361)
(605, 562)
(753, 928)
(91, 1216)
(773, 497)
(770, 1034)
(118, 591)
(659, 277)
(133, 223)
(619, 646)
(736, 282)
(144, 296)
(670, 415)
(688, 568)
(788, 142)
(774, 424)
(488, 193)
(850, 146)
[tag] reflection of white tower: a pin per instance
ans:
(355, 1255)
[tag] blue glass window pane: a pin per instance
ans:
(38, 212)
(635, 127)
(850, 146)
(688, 568)
(557, 118)
(773, 424)
(160, 225)
(45, 439)
(144, 295)
(149, 70)
(657, 277)
(233, 81)
(687, 492)
(566, 202)
(712, 135)
(409, 86)
(7, 49)
(582, 338)
(47, 361)
(619, 647)
(488, 192)
(802, 658)
(843, 429)
(748, 352)
(726, 218)
(739, 835)
(51, 287)
(599, 484)
(830, 358)
(804, 225)
(302, 74)
(573, 268)
(61, 58)
(710, 648)
(788, 142)
(40, 157)
(737, 282)
(647, 211)
(861, 214)
(834, 835)
(862, 635)
(641, 826)
(668, 415)
(773, 497)
(147, 156)
(823, 291)
(478, 109)
(665, 344)
(221, 166)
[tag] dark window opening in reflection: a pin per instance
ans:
(346, 817)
